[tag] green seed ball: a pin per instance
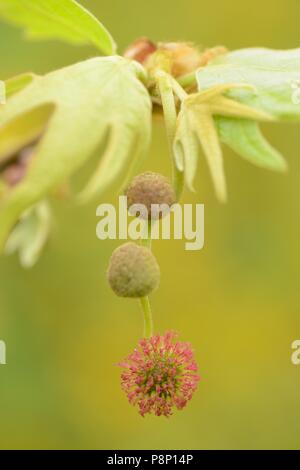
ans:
(151, 188)
(133, 271)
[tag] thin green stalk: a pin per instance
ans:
(147, 242)
(178, 90)
(148, 322)
(145, 303)
(165, 86)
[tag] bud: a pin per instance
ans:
(185, 57)
(148, 189)
(133, 271)
(140, 50)
(180, 58)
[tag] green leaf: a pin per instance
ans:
(274, 74)
(245, 138)
(30, 235)
(99, 105)
(58, 19)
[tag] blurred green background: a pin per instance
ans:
(237, 300)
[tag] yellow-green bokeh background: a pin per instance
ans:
(237, 301)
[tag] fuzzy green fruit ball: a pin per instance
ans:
(151, 188)
(133, 271)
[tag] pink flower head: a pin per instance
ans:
(160, 374)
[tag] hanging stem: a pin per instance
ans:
(147, 242)
(148, 322)
(145, 303)
(166, 86)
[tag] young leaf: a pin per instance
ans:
(73, 111)
(246, 139)
(196, 123)
(273, 74)
(186, 147)
(259, 85)
(196, 127)
(58, 19)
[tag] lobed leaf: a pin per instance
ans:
(74, 111)
(275, 78)
(273, 74)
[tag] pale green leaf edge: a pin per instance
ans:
(77, 26)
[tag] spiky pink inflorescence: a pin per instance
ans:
(160, 374)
